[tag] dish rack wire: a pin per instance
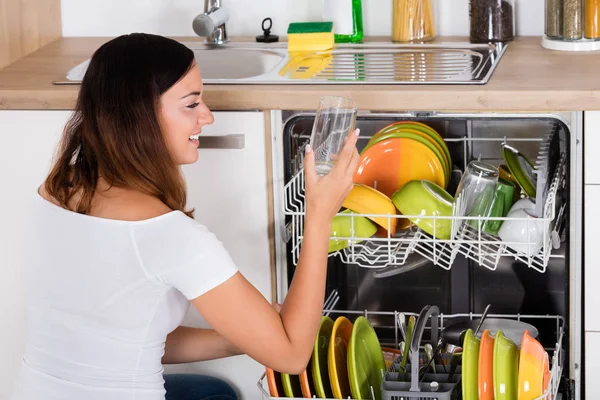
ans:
(555, 352)
(473, 243)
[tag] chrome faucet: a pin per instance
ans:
(212, 23)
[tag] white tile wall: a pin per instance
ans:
(174, 17)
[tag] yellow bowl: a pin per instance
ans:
(366, 200)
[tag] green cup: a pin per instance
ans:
(503, 201)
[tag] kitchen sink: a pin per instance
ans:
(369, 63)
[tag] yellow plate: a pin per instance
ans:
(337, 357)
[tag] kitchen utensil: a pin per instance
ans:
(338, 357)
(521, 168)
(533, 369)
(402, 326)
(525, 234)
(406, 354)
(476, 191)
(426, 199)
(390, 164)
(366, 365)
(485, 312)
(348, 225)
(274, 382)
(511, 328)
(319, 359)
(291, 385)
(506, 368)
(429, 353)
(334, 120)
(470, 361)
(419, 137)
(485, 379)
(455, 361)
(366, 200)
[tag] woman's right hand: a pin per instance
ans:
(326, 194)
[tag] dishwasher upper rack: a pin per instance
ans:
(556, 352)
(475, 244)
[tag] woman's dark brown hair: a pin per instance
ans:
(114, 131)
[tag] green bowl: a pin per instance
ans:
(342, 227)
(425, 199)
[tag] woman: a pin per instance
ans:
(118, 258)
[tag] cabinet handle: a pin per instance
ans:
(235, 142)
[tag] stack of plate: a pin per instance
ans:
(347, 361)
(495, 367)
(402, 152)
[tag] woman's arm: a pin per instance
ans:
(186, 344)
(238, 311)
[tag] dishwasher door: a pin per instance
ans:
(463, 285)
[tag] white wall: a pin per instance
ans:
(174, 17)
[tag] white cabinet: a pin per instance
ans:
(228, 188)
(592, 365)
(591, 147)
(29, 139)
(591, 258)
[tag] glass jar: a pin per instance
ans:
(412, 21)
(554, 18)
(492, 20)
(592, 19)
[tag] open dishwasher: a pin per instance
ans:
(381, 277)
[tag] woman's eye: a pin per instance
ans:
(193, 105)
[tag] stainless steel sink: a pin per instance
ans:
(370, 63)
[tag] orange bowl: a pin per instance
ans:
(486, 367)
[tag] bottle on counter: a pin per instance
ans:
(346, 16)
(572, 25)
(592, 19)
(492, 20)
(412, 21)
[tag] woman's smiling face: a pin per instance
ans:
(182, 115)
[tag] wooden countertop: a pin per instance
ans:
(528, 78)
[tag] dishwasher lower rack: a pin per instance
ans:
(388, 321)
(473, 243)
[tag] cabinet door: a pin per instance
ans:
(591, 145)
(592, 365)
(228, 188)
(29, 139)
(592, 257)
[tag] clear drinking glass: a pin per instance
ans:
(476, 190)
(335, 119)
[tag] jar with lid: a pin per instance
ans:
(412, 21)
(492, 20)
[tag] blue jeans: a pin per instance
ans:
(197, 387)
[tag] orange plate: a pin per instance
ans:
(486, 367)
(306, 383)
(274, 383)
(534, 371)
(388, 165)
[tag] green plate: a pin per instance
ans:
(365, 361)
(521, 169)
(421, 128)
(470, 367)
(320, 371)
(413, 136)
(506, 368)
(291, 385)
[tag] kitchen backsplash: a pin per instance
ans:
(174, 17)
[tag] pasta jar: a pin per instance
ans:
(492, 20)
(412, 20)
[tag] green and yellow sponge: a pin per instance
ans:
(310, 36)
